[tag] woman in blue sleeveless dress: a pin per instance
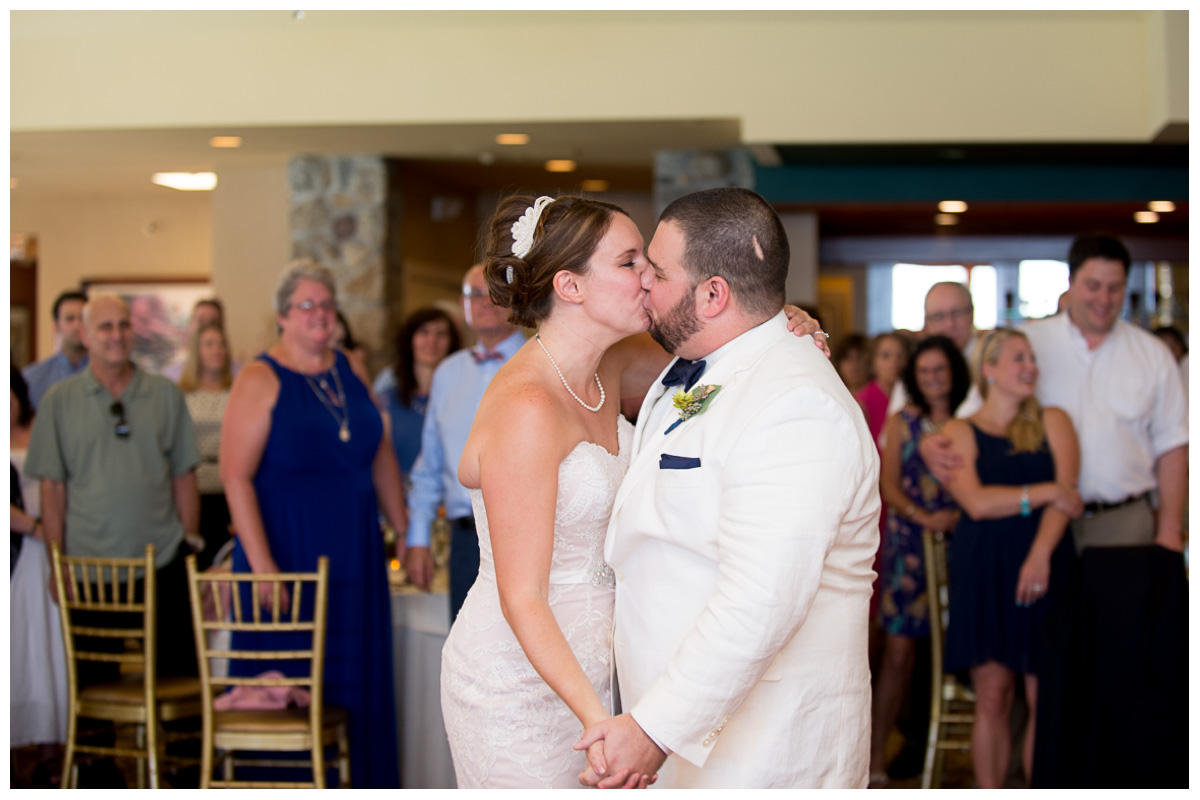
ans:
(303, 459)
(1017, 493)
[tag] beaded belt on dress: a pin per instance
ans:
(600, 576)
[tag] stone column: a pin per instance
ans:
(338, 218)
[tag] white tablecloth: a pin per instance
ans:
(420, 622)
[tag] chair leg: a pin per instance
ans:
(318, 761)
(227, 766)
(343, 758)
(206, 755)
(67, 780)
(140, 742)
(931, 749)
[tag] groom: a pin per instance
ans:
(743, 535)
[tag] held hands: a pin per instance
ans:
(801, 324)
(628, 758)
(418, 563)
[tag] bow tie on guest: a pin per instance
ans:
(481, 356)
(684, 372)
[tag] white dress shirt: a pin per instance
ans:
(1125, 398)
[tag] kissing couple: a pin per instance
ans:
(717, 556)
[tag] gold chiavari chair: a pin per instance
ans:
(309, 729)
(104, 590)
(952, 708)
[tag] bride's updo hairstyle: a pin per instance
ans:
(565, 235)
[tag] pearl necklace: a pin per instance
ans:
(599, 405)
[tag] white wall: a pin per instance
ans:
(87, 238)
(789, 76)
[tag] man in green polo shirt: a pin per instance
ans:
(116, 454)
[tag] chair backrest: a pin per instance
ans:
(106, 589)
(223, 593)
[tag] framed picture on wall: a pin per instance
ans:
(159, 310)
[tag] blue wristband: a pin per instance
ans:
(1025, 508)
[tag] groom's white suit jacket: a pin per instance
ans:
(743, 584)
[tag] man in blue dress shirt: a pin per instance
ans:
(70, 356)
(454, 397)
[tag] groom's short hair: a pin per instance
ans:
(734, 233)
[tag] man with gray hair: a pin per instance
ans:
(458, 386)
(949, 312)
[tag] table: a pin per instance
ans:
(420, 622)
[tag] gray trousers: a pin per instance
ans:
(1118, 527)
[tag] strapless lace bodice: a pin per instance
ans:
(588, 479)
(506, 727)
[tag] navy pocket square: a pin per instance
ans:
(667, 461)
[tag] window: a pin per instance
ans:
(1039, 284)
(911, 282)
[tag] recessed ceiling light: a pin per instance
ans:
(593, 186)
(1162, 206)
(186, 181)
(12, 183)
(945, 219)
(225, 141)
(1145, 216)
(952, 206)
(560, 165)
(512, 138)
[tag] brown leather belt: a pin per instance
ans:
(1092, 509)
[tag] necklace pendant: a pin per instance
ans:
(344, 432)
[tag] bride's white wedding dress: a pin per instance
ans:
(506, 727)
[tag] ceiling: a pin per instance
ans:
(119, 163)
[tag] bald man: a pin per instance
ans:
(118, 443)
(949, 312)
(454, 397)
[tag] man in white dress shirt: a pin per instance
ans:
(743, 534)
(1122, 389)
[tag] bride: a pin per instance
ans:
(527, 663)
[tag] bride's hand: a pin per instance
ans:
(801, 324)
(597, 768)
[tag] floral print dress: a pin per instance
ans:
(904, 607)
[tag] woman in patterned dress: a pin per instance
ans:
(937, 380)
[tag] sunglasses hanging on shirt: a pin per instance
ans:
(120, 426)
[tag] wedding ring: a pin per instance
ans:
(823, 333)
(1037, 587)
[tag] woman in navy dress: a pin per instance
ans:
(303, 459)
(1017, 493)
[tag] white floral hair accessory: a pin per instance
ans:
(522, 229)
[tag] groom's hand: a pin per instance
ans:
(631, 756)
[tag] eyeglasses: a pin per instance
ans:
(120, 427)
(309, 305)
(938, 317)
(475, 294)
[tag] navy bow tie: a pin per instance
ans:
(684, 372)
(487, 355)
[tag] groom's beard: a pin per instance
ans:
(676, 326)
